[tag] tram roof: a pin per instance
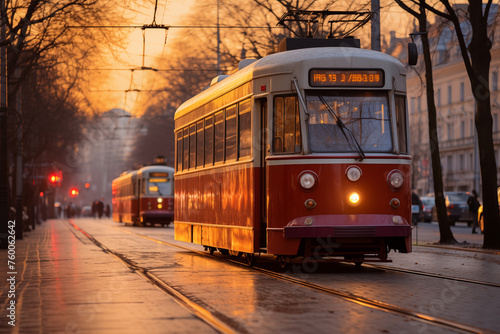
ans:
(285, 62)
(155, 168)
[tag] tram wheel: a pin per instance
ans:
(211, 250)
(250, 257)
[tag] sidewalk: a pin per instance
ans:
(428, 234)
(66, 284)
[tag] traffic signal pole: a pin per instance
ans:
(4, 175)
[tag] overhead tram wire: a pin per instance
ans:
(163, 26)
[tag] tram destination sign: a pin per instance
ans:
(321, 77)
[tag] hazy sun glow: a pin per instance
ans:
(124, 83)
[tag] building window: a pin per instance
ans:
(450, 131)
(462, 91)
(495, 122)
(449, 163)
(449, 95)
(462, 129)
(494, 81)
(461, 162)
(438, 97)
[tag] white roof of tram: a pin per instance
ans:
(286, 62)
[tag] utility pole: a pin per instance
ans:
(19, 167)
(375, 31)
(218, 40)
(4, 165)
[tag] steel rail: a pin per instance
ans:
(196, 309)
(422, 273)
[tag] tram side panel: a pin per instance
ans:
(219, 208)
(373, 219)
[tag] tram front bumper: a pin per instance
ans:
(347, 226)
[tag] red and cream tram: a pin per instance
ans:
(144, 196)
(301, 153)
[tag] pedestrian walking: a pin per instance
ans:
(473, 208)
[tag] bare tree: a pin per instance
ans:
(475, 52)
(446, 236)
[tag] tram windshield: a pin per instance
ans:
(159, 186)
(349, 121)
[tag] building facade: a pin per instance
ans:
(455, 118)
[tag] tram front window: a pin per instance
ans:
(349, 121)
(159, 186)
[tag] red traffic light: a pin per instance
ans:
(87, 185)
(73, 192)
(55, 178)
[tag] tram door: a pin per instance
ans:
(265, 150)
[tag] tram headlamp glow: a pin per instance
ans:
(307, 180)
(160, 206)
(353, 198)
(395, 179)
(160, 200)
(353, 173)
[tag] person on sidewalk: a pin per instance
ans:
(473, 207)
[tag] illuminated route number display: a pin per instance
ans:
(346, 78)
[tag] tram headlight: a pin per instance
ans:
(353, 198)
(307, 180)
(395, 179)
(353, 173)
(160, 200)
(160, 206)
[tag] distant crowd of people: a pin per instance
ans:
(98, 209)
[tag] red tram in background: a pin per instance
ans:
(302, 153)
(144, 196)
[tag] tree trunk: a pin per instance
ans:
(446, 236)
(479, 50)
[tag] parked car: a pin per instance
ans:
(87, 211)
(427, 206)
(456, 207)
(480, 218)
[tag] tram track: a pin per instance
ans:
(214, 319)
(372, 303)
(422, 273)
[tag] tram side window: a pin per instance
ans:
(286, 134)
(185, 144)
(244, 130)
(199, 144)
(209, 141)
(180, 154)
(231, 129)
(192, 146)
(401, 123)
(219, 137)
